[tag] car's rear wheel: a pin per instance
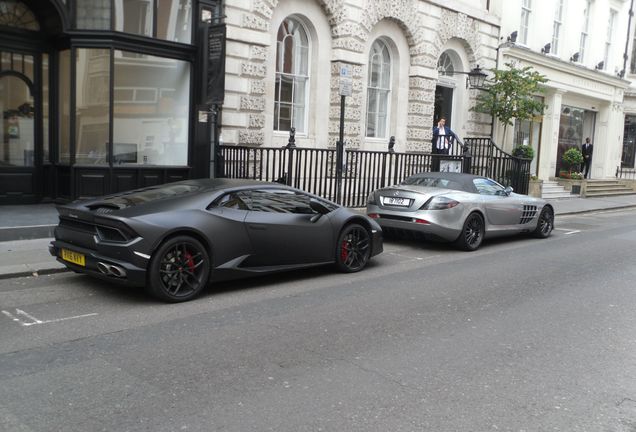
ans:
(353, 249)
(472, 233)
(179, 270)
(545, 224)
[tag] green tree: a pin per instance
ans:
(511, 95)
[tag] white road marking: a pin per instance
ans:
(31, 320)
(569, 231)
(412, 257)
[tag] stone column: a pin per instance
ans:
(550, 135)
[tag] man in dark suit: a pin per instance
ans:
(443, 139)
(586, 149)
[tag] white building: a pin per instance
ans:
(284, 59)
(578, 45)
(629, 132)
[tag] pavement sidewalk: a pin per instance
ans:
(26, 231)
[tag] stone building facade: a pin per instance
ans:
(263, 99)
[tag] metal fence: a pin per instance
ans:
(314, 170)
(625, 173)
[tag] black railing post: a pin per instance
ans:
(466, 157)
(291, 145)
(340, 151)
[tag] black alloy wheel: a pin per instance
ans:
(179, 270)
(353, 248)
(472, 233)
(545, 224)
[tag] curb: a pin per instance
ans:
(595, 210)
(35, 273)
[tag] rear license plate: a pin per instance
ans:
(399, 202)
(74, 257)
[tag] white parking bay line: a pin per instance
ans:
(412, 257)
(569, 231)
(19, 317)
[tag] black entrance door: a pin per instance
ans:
(443, 104)
(20, 145)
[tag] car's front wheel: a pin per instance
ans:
(179, 270)
(472, 233)
(353, 249)
(545, 224)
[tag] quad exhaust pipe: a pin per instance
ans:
(111, 270)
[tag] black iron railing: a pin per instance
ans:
(314, 170)
(490, 161)
(625, 173)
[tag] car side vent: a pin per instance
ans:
(529, 212)
(104, 210)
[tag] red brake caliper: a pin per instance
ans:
(189, 261)
(344, 253)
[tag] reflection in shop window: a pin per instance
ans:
(174, 18)
(134, 16)
(151, 108)
(93, 14)
(45, 107)
(17, 136)
(92, 106)
(64, 106)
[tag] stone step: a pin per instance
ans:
(563, 195)
(553, 190)
(608, 193)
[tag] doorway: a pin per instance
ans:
(443, 104)
(20, 146)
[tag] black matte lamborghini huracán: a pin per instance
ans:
(175, 238)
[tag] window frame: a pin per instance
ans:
(295, 67)
(382, 93)
(524, 25)
(585, 31)
(556, 26)
(611, 22)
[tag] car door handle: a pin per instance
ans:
(257, 227)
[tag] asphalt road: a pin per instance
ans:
(522, 335)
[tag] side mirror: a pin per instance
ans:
(508, 190)
(319, 208)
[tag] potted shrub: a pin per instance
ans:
(572, 158)
(523, 151)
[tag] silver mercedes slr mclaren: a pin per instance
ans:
(459, 208)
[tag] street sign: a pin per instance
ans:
(346, 82)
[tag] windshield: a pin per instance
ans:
(433, 182)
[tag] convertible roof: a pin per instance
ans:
(465, 180)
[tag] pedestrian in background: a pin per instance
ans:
(442, 142)
(586, 149)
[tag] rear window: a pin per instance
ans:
(433, 182)
(129, 199)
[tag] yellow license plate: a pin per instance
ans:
(74, 257)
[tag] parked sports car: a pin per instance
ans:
(460, 208)
(175, 238)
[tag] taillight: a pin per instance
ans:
(371, 199)
(439, 203)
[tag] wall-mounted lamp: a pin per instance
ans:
(513, 37)
(546, 49)
(600, 65)
(575, 57)
(476, 77)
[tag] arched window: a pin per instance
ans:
(14, 13)
(445, 65)
(292, 76)
(378, 90)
